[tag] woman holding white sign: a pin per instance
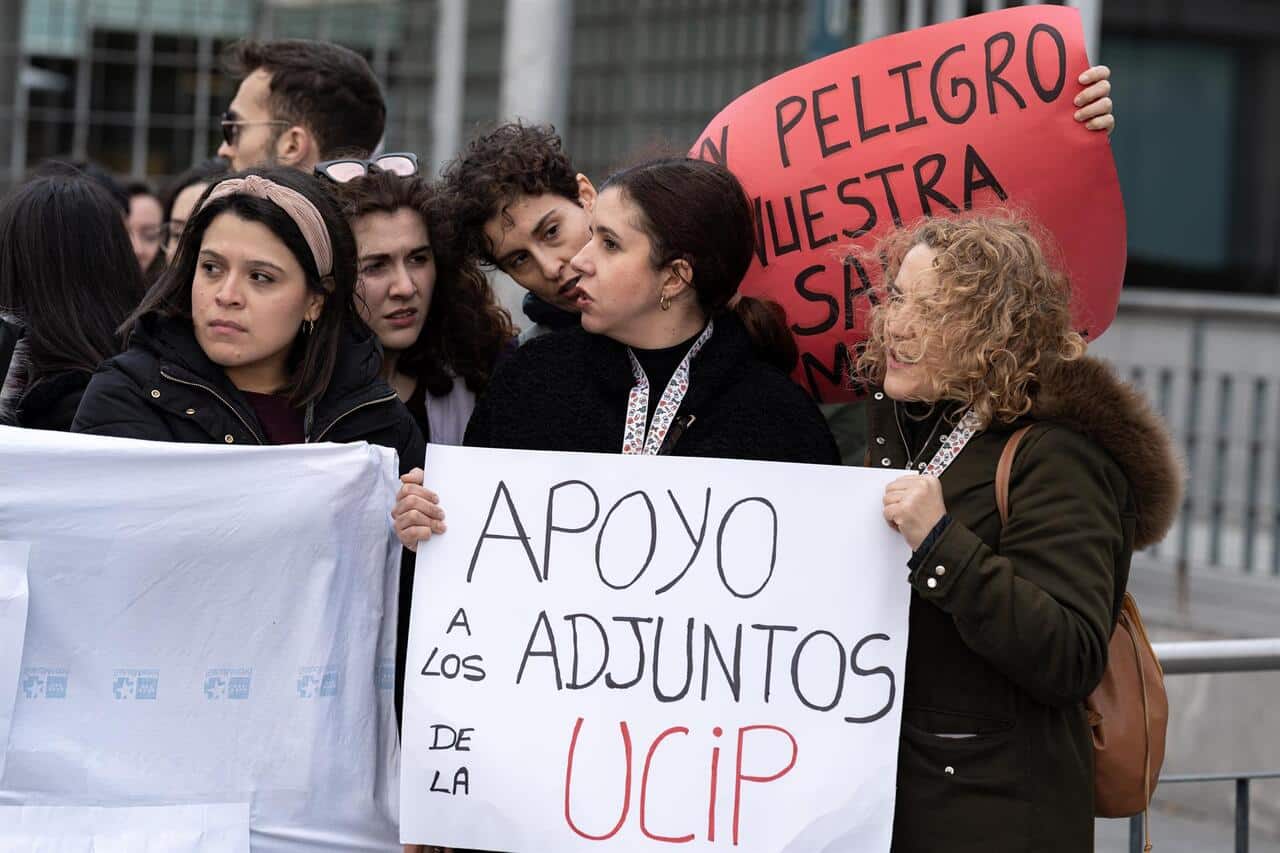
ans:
(663, 364)
(252, 335)
(1010, 622)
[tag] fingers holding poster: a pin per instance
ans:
(950, 118)
(618, 651)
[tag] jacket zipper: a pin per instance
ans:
(221, 399)
(325, 431)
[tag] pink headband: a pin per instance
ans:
(303, 213)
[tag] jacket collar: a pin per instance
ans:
(545, 314)
(355, 381)
(895, 441)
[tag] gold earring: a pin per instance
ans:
(310, 326)
(664, 302)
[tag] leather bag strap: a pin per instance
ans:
(1146, 720)
(1003, 471)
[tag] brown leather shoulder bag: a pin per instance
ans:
(1129, 709)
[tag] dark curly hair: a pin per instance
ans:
(497, 167)
(465, 330)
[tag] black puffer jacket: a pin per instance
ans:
(568, 391)
(164, 388)
(49, 402)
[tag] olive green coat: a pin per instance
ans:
(1009, 628)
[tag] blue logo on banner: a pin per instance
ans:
(44, 683)
(317, 681)
(384, 675)
(227, 683)
(135, 683)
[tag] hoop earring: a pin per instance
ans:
(309, 326)
(664, 302)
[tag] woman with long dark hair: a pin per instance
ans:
(663, 363)
(252, 334)
(68, 279)
(432, 309)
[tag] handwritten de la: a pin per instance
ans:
(625, 652)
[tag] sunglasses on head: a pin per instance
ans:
(231, 126)
(403, 164)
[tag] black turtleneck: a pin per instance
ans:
(921, 430)
(548, 315)
(660, 365)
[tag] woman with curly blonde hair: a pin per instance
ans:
(970, 341)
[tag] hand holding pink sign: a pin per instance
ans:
(970, 114)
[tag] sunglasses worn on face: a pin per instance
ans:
(231, 126)
(403, 164)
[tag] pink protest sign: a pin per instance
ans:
(963, 115)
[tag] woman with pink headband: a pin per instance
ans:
(251, 336)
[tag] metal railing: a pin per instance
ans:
(1190, 658)
(1210, 365)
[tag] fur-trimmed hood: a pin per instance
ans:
(1087, 396)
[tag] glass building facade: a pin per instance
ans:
(137, 86)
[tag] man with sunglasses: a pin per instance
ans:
(276, 118)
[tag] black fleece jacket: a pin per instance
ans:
(569, 392)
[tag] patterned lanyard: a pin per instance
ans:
(953, 444)
(634, 439)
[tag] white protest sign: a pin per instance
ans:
(633, 652)
(13, 626)
(207, 624)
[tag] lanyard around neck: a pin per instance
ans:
(636, 440)
(968, 427)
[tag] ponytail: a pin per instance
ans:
(698, 212)
(766, 323)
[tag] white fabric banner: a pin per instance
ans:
(631, 652)
(207, 626)
(13, 627)
(207, 828)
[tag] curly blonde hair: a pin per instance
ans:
(999, 315)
